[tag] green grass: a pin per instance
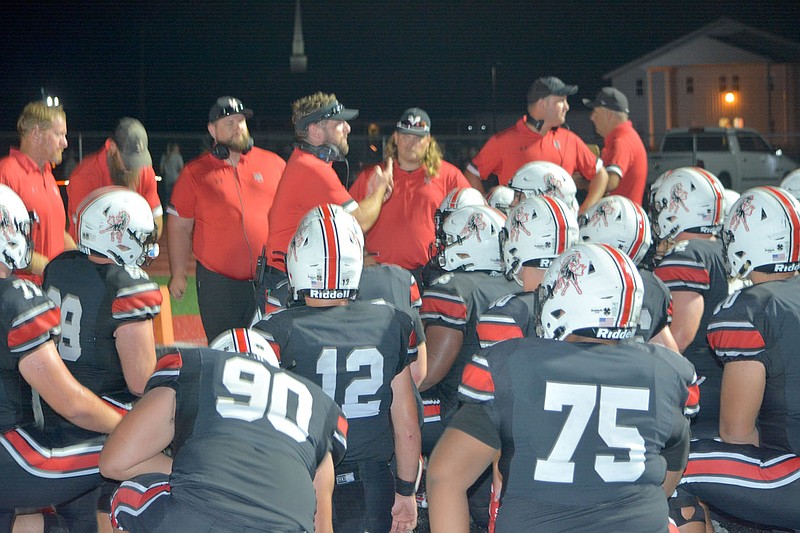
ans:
(187, 306)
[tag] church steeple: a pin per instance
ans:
(298, 62)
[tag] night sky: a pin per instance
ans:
(166, 63)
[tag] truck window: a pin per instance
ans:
(749, 142)
(677, 143)
(712, 143)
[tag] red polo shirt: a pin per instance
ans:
(92, 173)
(404, 230)
(306, 183)
(229, 206)
(624, 153)
(39, 192)
(508, 150)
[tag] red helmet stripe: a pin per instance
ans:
(628, 283)
(641, 220)
(792, 214)
(241, 340)
(561, 220)
(331, 248)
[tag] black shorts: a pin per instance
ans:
(363, 498)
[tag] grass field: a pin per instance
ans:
(187, 306)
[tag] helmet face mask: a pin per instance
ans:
(542, 178)
(472, 240)
(117, 223)
(621, 223)
(687, 199)
(761, 233)
(536, 231)
(15, 230)
(244, 340)
(326, 255)
(591, 290)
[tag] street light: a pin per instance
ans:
(729, 97)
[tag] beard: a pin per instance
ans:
(240, 142)
(124, 178)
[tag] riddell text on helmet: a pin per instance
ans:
(605, 333)
(787, 268)
(329, 294)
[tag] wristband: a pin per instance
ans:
(404, 488)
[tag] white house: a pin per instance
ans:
(724, 74)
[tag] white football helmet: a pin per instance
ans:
(688, 199)
(117, 223)
(539, 178)
(16, 246)
(592, 290)
(729, 197)
(763, 233)
(619, 222)
(326, 254)
(472, 238)
(537, 230)
(791, 182)
(501, 198)
(457, 198)
(244, 340)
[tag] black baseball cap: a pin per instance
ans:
(414, 121)
(131, 140)
(549, 86)
(610, 98)
(226, 106)
(332, 111)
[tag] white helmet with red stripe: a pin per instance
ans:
(539, 178)
(472, 237)
(620, 222)
(117, 223)
(245, 341)
(501, 198)
(791, 182)
(16, 246)
(763, 233)
(326, 254)
(688, 199)
(456, 199)
(537, 230)
(591, 290)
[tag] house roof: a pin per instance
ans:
(725, 30)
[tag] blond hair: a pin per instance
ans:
(308, 104)
(38, 114)
(432, 160)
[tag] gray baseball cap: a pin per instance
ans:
(549, 86)
(131, 140)
(610, 98)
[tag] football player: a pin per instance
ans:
(359, 353)
(539, 178)
(587, 428)
(687, 213)
(623, 224)
(252, 446)
(34, 473)
(753, 472)
(537, 230)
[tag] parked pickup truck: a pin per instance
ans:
(740, 157)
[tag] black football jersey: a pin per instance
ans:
(656, 306)
(96, 299)
(586, 430)
(28, 319)
(512, 316)
(699, 266)
(353, 352)
(456, 300)
(762, 323)
(397, 286)
(248, 437)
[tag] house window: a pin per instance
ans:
(723, 84)
(689, 85)
(639, 87)
(734, 83)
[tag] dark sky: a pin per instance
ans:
(165, 63)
